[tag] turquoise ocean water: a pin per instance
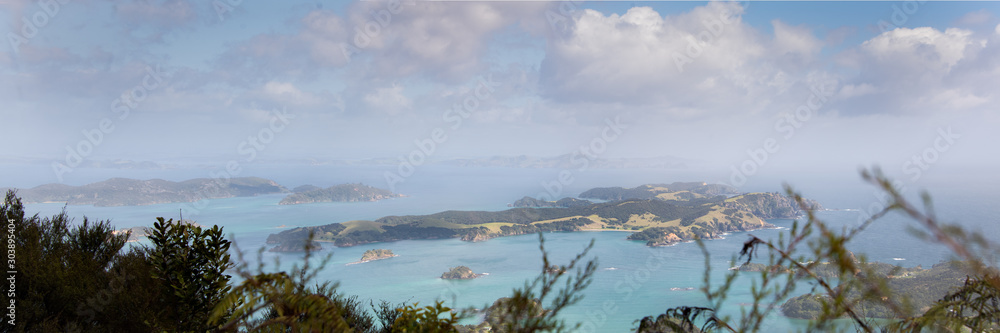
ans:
(633, 280)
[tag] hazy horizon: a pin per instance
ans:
(771, 87)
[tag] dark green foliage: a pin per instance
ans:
(58, 267)
(681, 319)
(386, 314)
(75, 278)
(190, 262)
(567, 225)
(394, 233)
(430, 319)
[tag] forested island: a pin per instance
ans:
(663, 219)
(460, 273)
(564, 202)
(134, 192)
(338, 193)
(374, 254)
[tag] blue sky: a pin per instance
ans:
(561, 71)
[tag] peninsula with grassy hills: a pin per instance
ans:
(668, 217)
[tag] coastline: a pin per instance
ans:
(608, 230)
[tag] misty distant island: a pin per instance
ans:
(567, 161)
(338, 193)
(658, 214)
(133, 192)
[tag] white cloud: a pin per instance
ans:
(164, 13)
(851, 90)
(389, 100)
(957, 99)
(681, 65)
(441, 40)
(325, 33)
(288, 94)
(920, 46)
(795, 40)
(919, 70)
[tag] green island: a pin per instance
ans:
(564, 202)
(460, 273)
(133, 192)
(921, 287)
(662, 219)
(338, 193)
(672, 191)
(374, 254)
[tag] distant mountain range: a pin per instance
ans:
(339, 193)
(566, 161)
(134, 192)
(569, 161)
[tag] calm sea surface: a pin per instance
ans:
(633, 280)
